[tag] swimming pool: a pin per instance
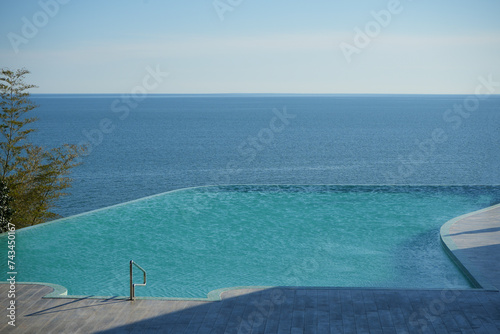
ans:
(193, 241)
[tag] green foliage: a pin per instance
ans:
(34, 177)
(5, 209)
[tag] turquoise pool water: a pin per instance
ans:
(196, 240)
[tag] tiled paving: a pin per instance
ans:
(288, 310)
(264, 311)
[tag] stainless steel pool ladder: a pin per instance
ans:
(132, 284)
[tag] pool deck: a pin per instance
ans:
(473, 239)
(476, 244)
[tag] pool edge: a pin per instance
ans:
(60, 292)
(63, 219)
(467, 268)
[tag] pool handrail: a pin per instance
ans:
(132, 284)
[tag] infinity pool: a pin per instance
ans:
(196, 240)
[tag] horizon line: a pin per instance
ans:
(299, 94)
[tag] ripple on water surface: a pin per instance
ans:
(196, 240)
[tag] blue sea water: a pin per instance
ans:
(139, 147)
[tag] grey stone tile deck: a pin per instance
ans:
(476, 239)
(264, 311)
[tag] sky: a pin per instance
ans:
(252, 46)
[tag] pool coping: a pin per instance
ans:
(478, 282)
(466, 266)
(60, 292)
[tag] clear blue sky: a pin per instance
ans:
(261, 46)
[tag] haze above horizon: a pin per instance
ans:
(257, 47)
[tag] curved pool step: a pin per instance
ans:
(473, 241)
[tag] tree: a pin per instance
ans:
(5, 209)
(34, 177)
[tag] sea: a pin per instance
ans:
(144, 145)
